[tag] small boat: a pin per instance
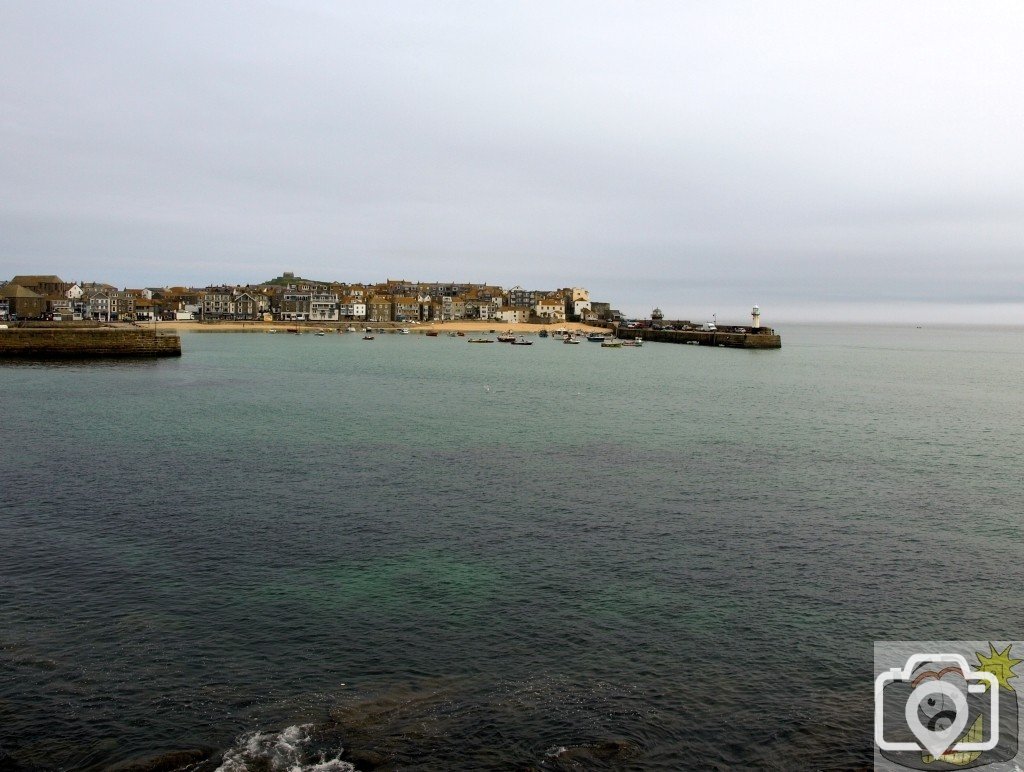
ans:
(431, 334)
(271, 331)
(570, 340)
(368, 330)
(321, 333)
(461, 334)
(543, 333)
(521, 341)
(506, 337)
(480, 340)
(403, 331)
(367, 337)
(611, 343)
(636, 342)
(452, 335)
(596, 337)
(350, 328)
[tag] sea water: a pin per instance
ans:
(280, 551)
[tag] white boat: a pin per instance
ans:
(596, 337)
(521, 341)
(403, 331)
(611, 343)
(636, 342)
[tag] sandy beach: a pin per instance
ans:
(441, 327)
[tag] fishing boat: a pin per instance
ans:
(611, 343)
(506, 337)
(636, 342)
(521, 341)
(596, 337)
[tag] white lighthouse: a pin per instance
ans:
(756, 316)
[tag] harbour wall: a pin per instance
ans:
(85, 343)
(765, 338)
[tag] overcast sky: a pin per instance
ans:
(819, 158)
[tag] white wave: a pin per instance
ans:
(284, 751)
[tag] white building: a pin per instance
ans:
(513, 314)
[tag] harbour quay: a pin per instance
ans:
(64, 341)
(657, 330)
(726, 336)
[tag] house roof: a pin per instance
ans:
(31, 281)
(13, 290)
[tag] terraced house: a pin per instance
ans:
(405, 309)
(323, 307)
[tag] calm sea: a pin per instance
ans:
(295, 552)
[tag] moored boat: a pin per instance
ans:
(611, 343)
(480, 340)
(596, 337)
(521, 341)
(506, 337)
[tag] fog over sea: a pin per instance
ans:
(324, 553)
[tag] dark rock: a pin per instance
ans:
(366, 759)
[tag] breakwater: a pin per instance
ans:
(85, 343)
(764, 337)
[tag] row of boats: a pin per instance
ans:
(566, 336)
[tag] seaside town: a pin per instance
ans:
(290, 298)
(46, 317)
